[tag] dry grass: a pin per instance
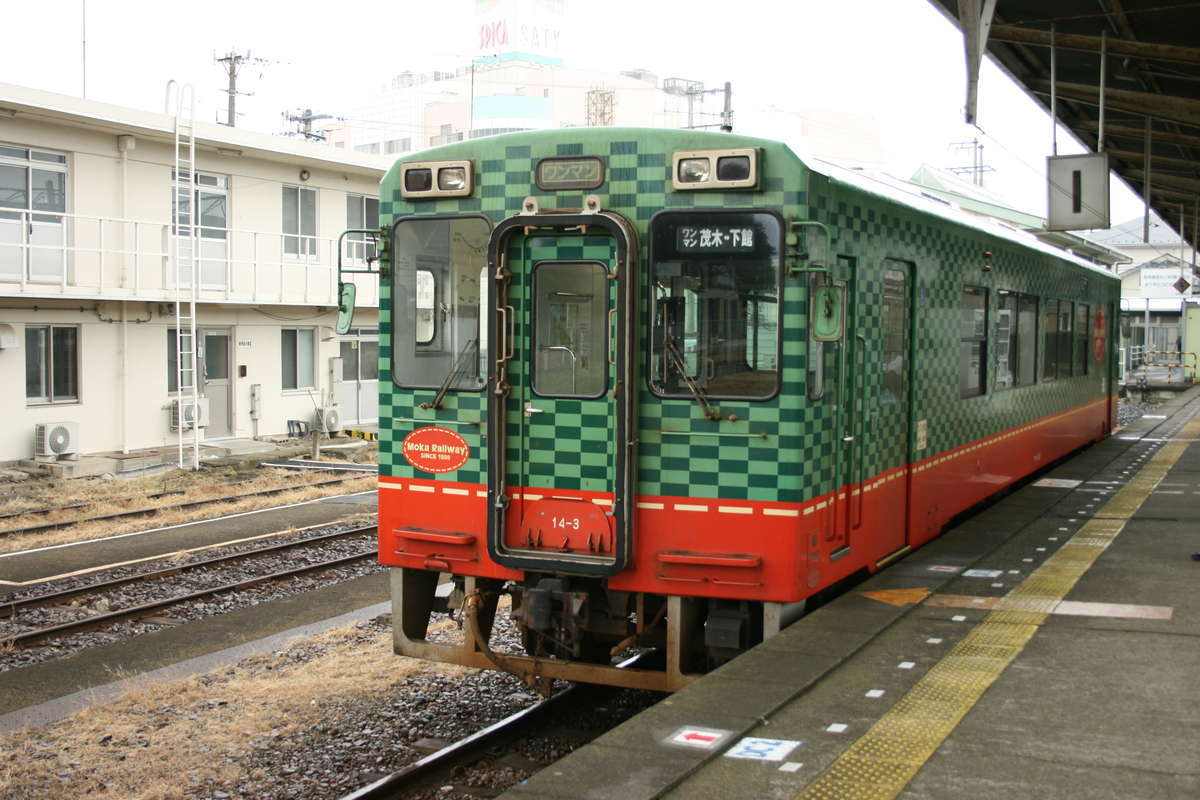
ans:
(183, 738)
(103, 497)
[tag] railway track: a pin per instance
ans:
(10, 609)
(149, 512)
(453, 764)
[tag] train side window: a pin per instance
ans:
(436, 302)
(714, 305)
(816, 354)
(1082, 316)
(1016, 339)
(895, 337)
(1027, 318)
(1065, 315)
(1050, 340)
(1008, 340)
(972, 347)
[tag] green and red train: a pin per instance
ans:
(661, 387)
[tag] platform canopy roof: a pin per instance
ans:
(1151, 86)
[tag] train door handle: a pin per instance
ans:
(530, 410)
(847, 438)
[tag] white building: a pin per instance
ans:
(87, 286)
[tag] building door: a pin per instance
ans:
(357, 393)
(217, 386)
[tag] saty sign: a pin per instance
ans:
(435, 449)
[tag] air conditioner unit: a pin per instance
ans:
(186, 415)
(54, 439)
(329, 419)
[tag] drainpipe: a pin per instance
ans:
(124, 378)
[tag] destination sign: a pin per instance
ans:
(714, 239)
(570, 173)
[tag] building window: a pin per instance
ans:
(51, 364)
(210, 202)
(299, 223)
(173, 347)
(972, 347)
(33, 204)
(361, 212)
(298, 358)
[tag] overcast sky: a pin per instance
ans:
(899, 61)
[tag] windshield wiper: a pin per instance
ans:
(456, 372)
(676, 360)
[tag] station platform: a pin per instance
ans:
(1048, 647)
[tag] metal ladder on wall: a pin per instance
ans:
(183, 272)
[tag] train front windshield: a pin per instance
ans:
(715, 282)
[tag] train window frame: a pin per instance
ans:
(401, 362)
(653, 301)
(979, 336)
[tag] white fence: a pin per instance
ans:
(48, 253)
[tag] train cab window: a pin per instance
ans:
(436, 289)
(1082, 328)
(715, 318)
(972, 347)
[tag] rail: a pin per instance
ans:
(48, 253)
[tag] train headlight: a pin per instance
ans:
(418, 180)
(436, 179)
(735, 168)
(694, 170)
(452, 179)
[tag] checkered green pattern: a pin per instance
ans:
(777, 450)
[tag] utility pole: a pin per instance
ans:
(233, 62)
(977, 167)
(693, 89)
(305, 119)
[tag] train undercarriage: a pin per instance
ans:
(577, 629)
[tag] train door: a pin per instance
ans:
(559, 423)
(877, 441)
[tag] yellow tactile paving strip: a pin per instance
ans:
(882, 762)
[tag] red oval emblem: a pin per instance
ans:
(435, 449)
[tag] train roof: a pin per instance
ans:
(911, 195)
(880, 186)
